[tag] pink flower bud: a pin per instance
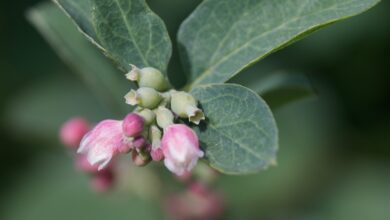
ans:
(102, 143)
(73, 131)
(180, 147)
(157, 154)
(133, 125)
(198, 202)
(139, 142)
(102, 181)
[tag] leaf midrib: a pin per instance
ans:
(123, 15)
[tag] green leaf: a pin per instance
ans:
(95, 69)
(220, 38)
(240, 134)
(278, 88)
(81, 13)
(132, 34)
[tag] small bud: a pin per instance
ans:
(140, 159)
(148, 77)
(127, 145)
(134, 73)
(157, 154)
(144, 97)
(148, 115)
(180, 146)
(73, 131)
(155, 136)
(101, 144)
(132, 98)
(155, 149)
(139, 143)
(164, 117)
(133, 125)
(185, 106)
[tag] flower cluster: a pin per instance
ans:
(151, 131)
(71, 134)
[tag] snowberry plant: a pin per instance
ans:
(228, 126)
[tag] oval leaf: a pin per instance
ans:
(131, 33)
(240, 134)
(221, 38)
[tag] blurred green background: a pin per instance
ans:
(334, 157)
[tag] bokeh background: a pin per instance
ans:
(334, 157)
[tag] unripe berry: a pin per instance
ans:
(148, 77)
(144, 97)
(164, 117)
(148, 115)
(185, 106)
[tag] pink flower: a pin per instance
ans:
(157, 154)
(102, 143)
(72, 131)
(103, 180)
(180, 146)
(198, 202)
(133, 125)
